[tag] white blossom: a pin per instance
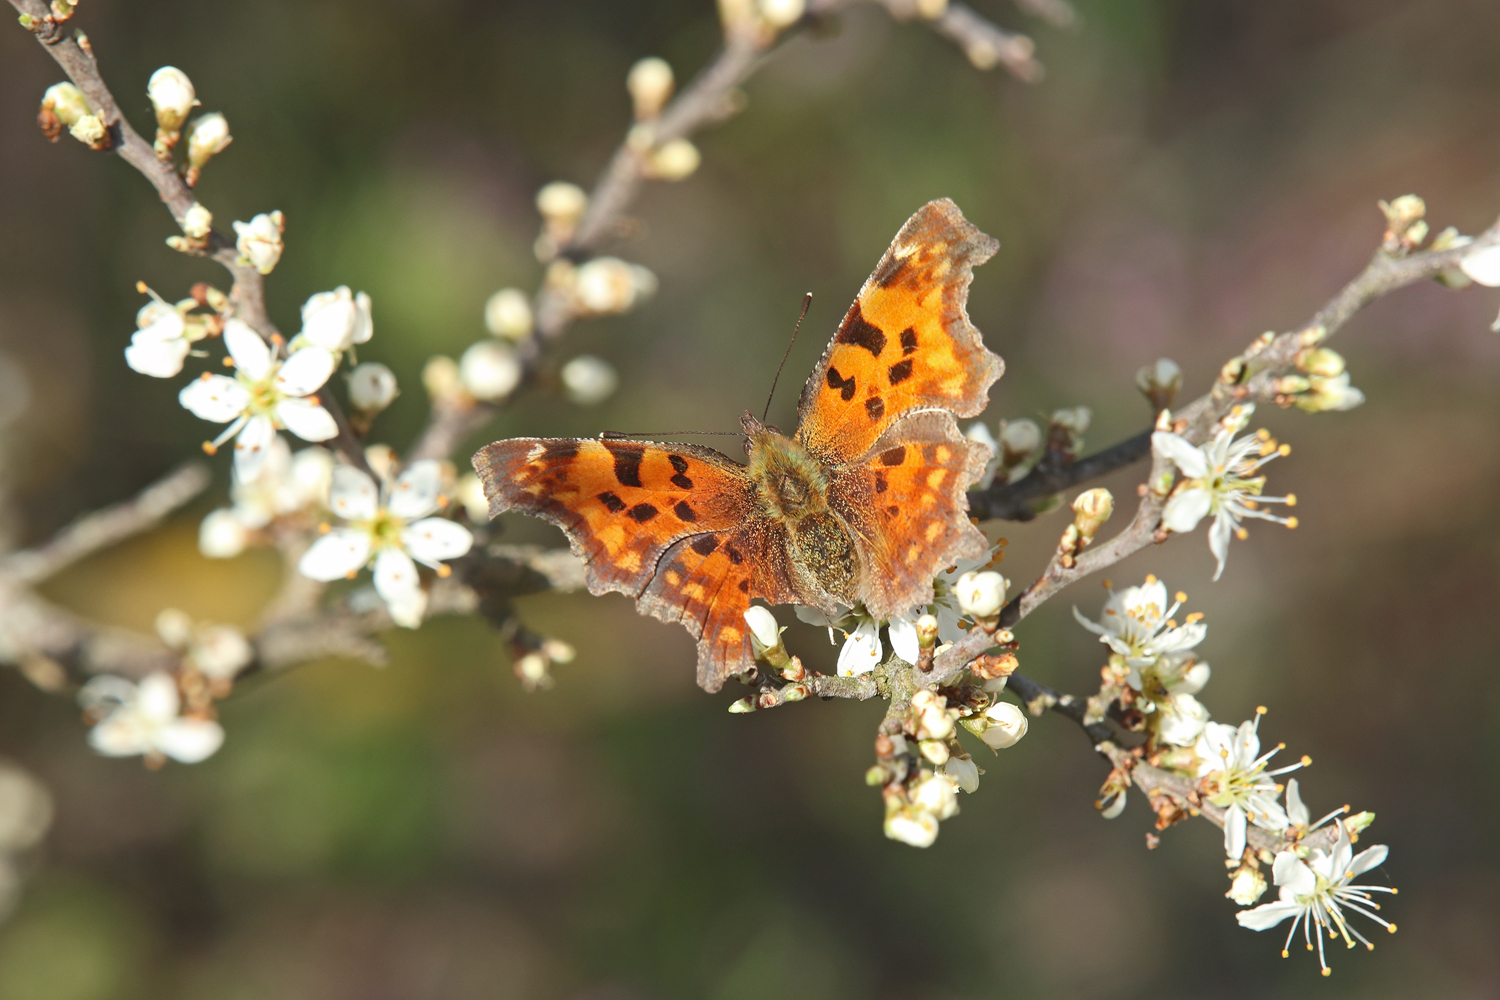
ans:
(935, 794)
(197, 221)
(222, 535)
(265, 395)
(861, 651)
(388, 526)
(1318, 890)
(610, 285)
(1221, 482)
(161, 343)
(589, 380)
(980, 594)
(1233, 772)
(1001, 726)
(489, 370)
(217, 651)
(144, 719)
(764, 632)
(964, 773)
(913, 826)
(259, 240)
(1482, 265)
(337, 320)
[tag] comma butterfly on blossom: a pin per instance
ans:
(864, 504)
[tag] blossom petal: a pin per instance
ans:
(353, 495)
(1365, 860)
(251, 354)
(306, 419)
(1183, 721)
(120, 735)
(190, 740)
(337, 554)
(156, 698)
(1296, 812)
(903, 633)
(159, 359)
(1184, 455)
(1483, 265)
(1091, 625)
(436, 539)
(1194, 679)
(1186, 509)
(1267, 915)
(214, 398)
(305, 371)
(861, 651)
(1293, 876)
(252, 449)
(416, 491)
(1218, 539)
(1234, 831)
(396, 581)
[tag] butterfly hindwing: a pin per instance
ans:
(907, 506)
(621, 503)
(906, 343)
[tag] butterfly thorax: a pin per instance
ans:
(791, 487)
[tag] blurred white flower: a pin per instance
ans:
(964, 772)
(589, 380)
(650, 83)
(561, 202)
(390, 526)
(222, 535)
(1482, 265)
(265, 395)
(1318, 890)
(610, 285)
(674, 161)
(913, 826)
(1221, 482)
(372, 387)
(337, 320)
(935, 794)
(259, 240)
(489, 370)
(143, 719)
(1234, 775)
(507, 314)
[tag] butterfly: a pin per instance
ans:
(864, 504)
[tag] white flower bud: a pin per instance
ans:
(221, 651)
(589, 380)
(1159, 382)
(1074, 419)
(935, 751)
(1246, 885)
(507, 314)
(90, 131)
(674, 161)
(209, 137)
(935, 794)
(764, 632)
(172, 96)
(337, 320)
(221, 535)
(198, 222)
(650, 84)
(259, 240)
(1005, 724)
(1018, 439)
(980, 594)
(929, 718)
(557, 651)
(1483, 265)
(1091, 509)
(931, 10)
(916, 827)
(532, 671)
(610, 285)
(175, 627)
(440, 377)
(66, 102)
(489, 370)
(782, 13)
(561, 202)
(372, 387)
(470, 493)
(964, 772)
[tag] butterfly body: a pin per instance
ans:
(865, 503)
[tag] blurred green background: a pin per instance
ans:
(1188, 175)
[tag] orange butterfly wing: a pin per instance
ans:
(906, 343)
(670, 525)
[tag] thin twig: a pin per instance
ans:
(1012, 501)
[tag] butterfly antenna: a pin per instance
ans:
(806, 304)
(626, 435)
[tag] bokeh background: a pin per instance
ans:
(1188, 175)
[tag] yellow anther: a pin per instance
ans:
(1284, 450)
(1326, 972)
(1306, 761)
(1263, 434)
(444, 570)
(1285, 953)
(1280, 746)
(1108, 585)
(1241, 534)
(351, 574)
(1292, 522)
(141, 287)
(1196, 616)
(1150, 578)
(1179, 597)
(324, 528)
(209, 448)
(1260, 710)
(1291, 499)
(228, 361)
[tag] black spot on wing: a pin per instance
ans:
(627, 465)
(895, 456)
(891, 270)
(734, 554)
(861, 334)
(679, 464)
(705, 545)
(686, 513)
(614, 503)
(908, 341)
(745, 586)
(900, 372)
(681, 481)
(643, 512)
(875, 407)
(843, 386)
(880, 483)
(892, 511)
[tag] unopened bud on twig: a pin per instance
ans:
(198, 222)
(507, 314)
(650, 84)
(980, 594)
(673, 161)
(1246, 885)
(1001, 726)
(1159, 381)
(66, 103)
(372, 387)
(765, 636)
(441, 379)
(964, 772)
(1405, 228)
(90, 131)
(588, 380)
(561, 205)
(1091, 509)
(1321, 362)
(610, 285)
(489, 370)
(259, 240)
(172, 97)
(1018, 439)
(928, 717)
(208, 138)
(781, 14)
